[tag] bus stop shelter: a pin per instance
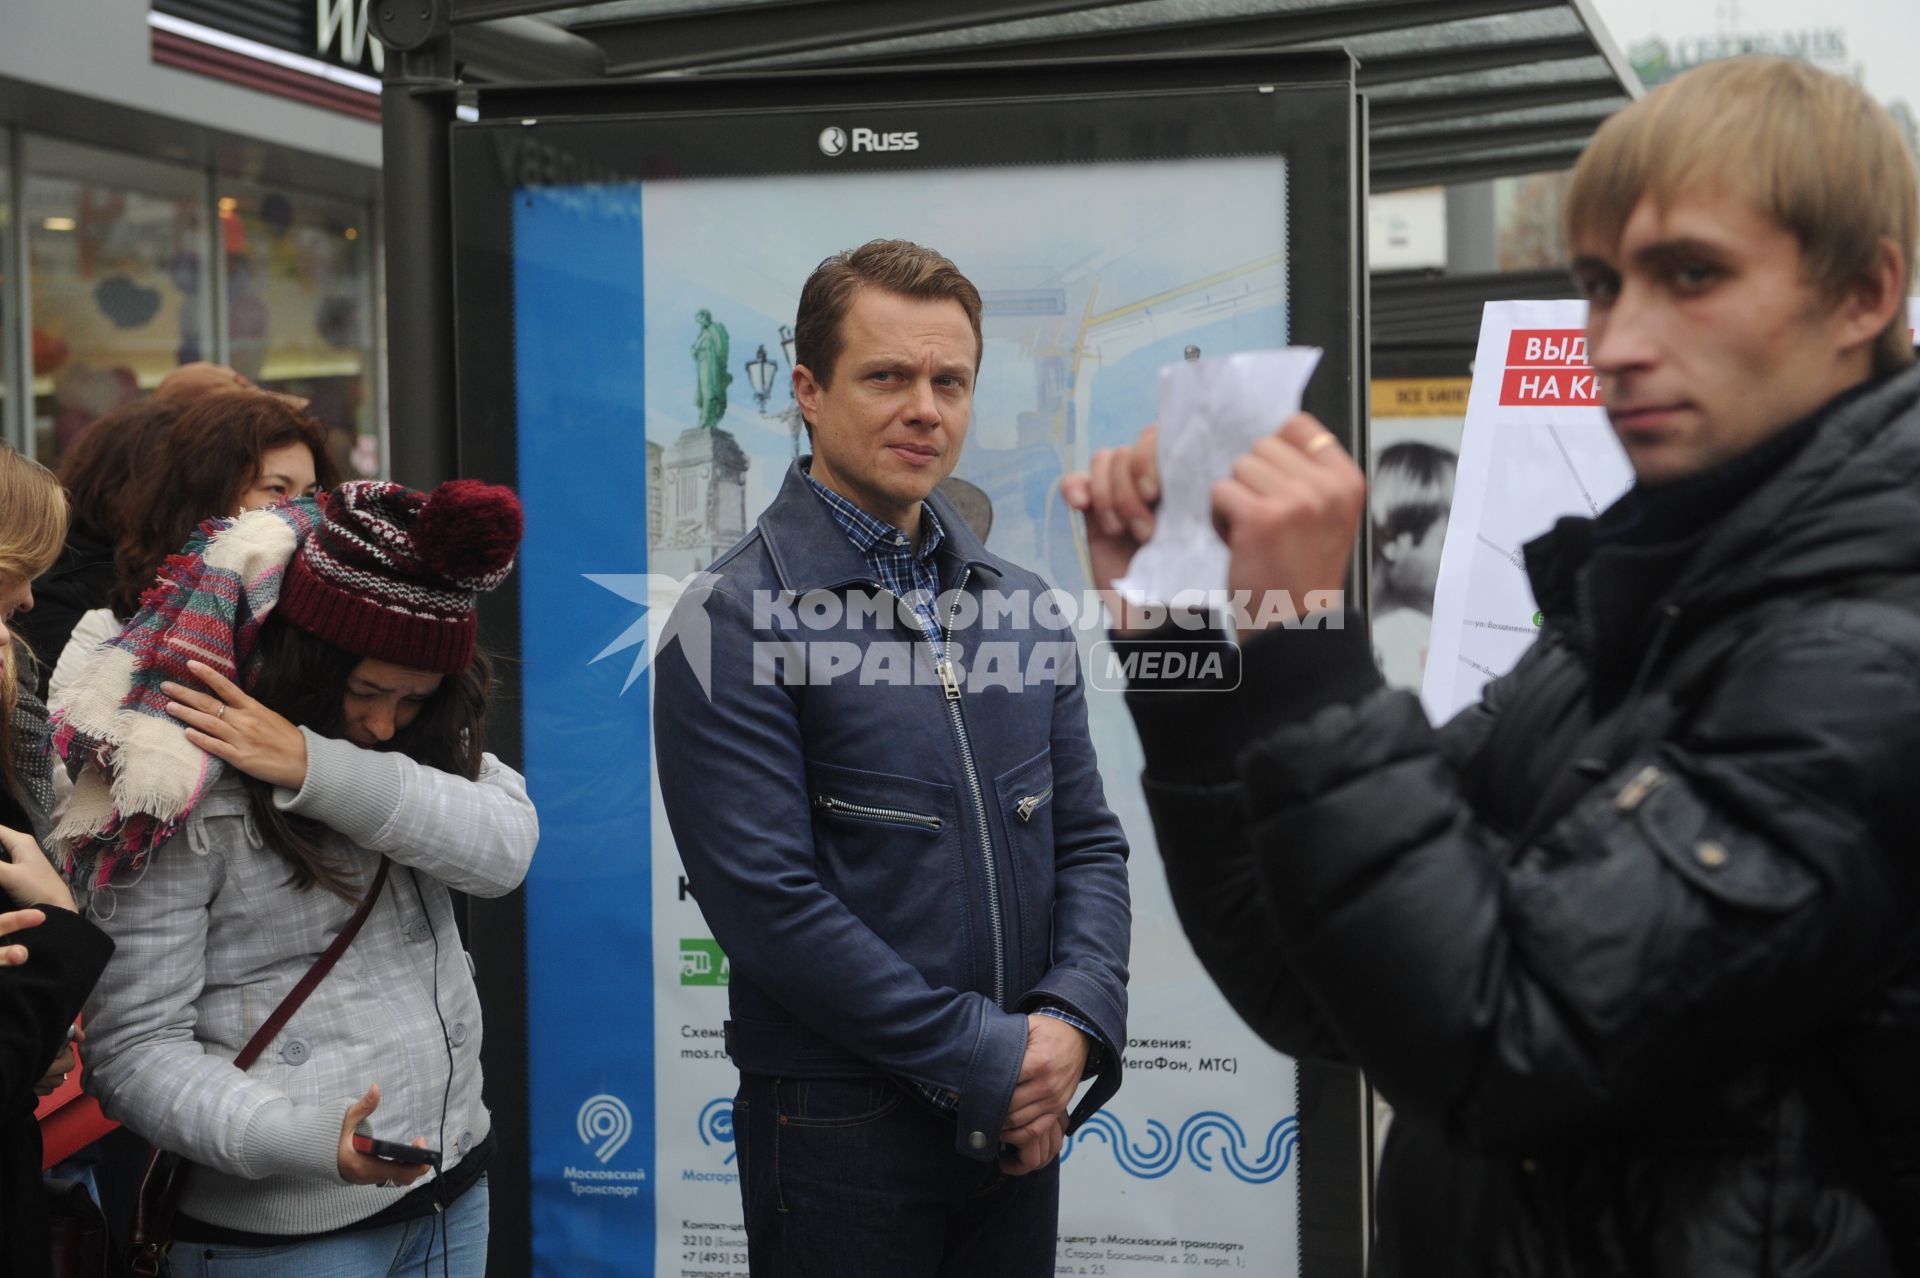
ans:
(1449, 91)
(1455, 91)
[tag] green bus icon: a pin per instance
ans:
(703, 962)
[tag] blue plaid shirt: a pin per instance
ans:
(910, 573)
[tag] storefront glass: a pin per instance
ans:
(117, 272)
(7, 285)
(299, 307)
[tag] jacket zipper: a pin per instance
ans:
(899, 816)
(943, 666)
(1025, 808)
(1635, 792)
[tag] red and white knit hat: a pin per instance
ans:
(395, 574)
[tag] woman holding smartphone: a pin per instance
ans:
(301, 702)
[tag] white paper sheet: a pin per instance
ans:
(1211, 412)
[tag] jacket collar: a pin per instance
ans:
(1841, 506)
(810, 552)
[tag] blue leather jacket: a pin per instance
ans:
(898, 866)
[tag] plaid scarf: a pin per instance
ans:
(139, 776)
(32, 754)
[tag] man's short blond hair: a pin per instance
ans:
(1809, 149)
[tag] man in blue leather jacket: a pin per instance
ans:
(879, 776)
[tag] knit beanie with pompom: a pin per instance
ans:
(395, 574)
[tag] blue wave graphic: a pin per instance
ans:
(1206, 1139)
(716, 1124)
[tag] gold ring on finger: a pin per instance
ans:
(1319, 443)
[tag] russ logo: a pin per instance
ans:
(837, 141)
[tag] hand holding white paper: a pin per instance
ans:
(1211, 412)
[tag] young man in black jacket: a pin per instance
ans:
(1629, 945)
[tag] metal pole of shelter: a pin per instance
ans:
(416, 113)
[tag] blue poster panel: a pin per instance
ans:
(655, 423)
(579, 319)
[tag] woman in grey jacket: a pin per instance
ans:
(351, 732)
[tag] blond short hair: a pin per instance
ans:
(1809, 149)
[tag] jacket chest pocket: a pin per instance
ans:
(836, 807)
(889, 848)
(1025, 795)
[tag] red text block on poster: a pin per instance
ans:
(1547, 368)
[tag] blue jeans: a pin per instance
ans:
(458, 1234)
(855, 1178)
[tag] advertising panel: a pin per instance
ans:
(647, 385)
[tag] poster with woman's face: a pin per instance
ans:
(1411, 464)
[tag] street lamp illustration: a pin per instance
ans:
(786, 344)
(760, 371)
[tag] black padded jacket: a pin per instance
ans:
(1630, 944)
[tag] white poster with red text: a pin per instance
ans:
(1536, 446)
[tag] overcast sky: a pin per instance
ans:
(1882, 36)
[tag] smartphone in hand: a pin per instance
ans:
(396, 1153)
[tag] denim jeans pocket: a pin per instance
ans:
(835, 1102)
(221, 1251)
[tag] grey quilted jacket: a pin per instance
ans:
(211, 937)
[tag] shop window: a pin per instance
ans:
(299, 308)
(7, 283)
(117, 275)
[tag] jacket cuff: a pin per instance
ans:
(68, 938)
(1074, 991)
(1291, 675)
(352, 791)
(987, 1092)
(283, 1138)
(1193, 727)
(1190, 730)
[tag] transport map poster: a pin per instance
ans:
(1537, 446)
(656, 422)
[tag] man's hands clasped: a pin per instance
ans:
(1036, 1125)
